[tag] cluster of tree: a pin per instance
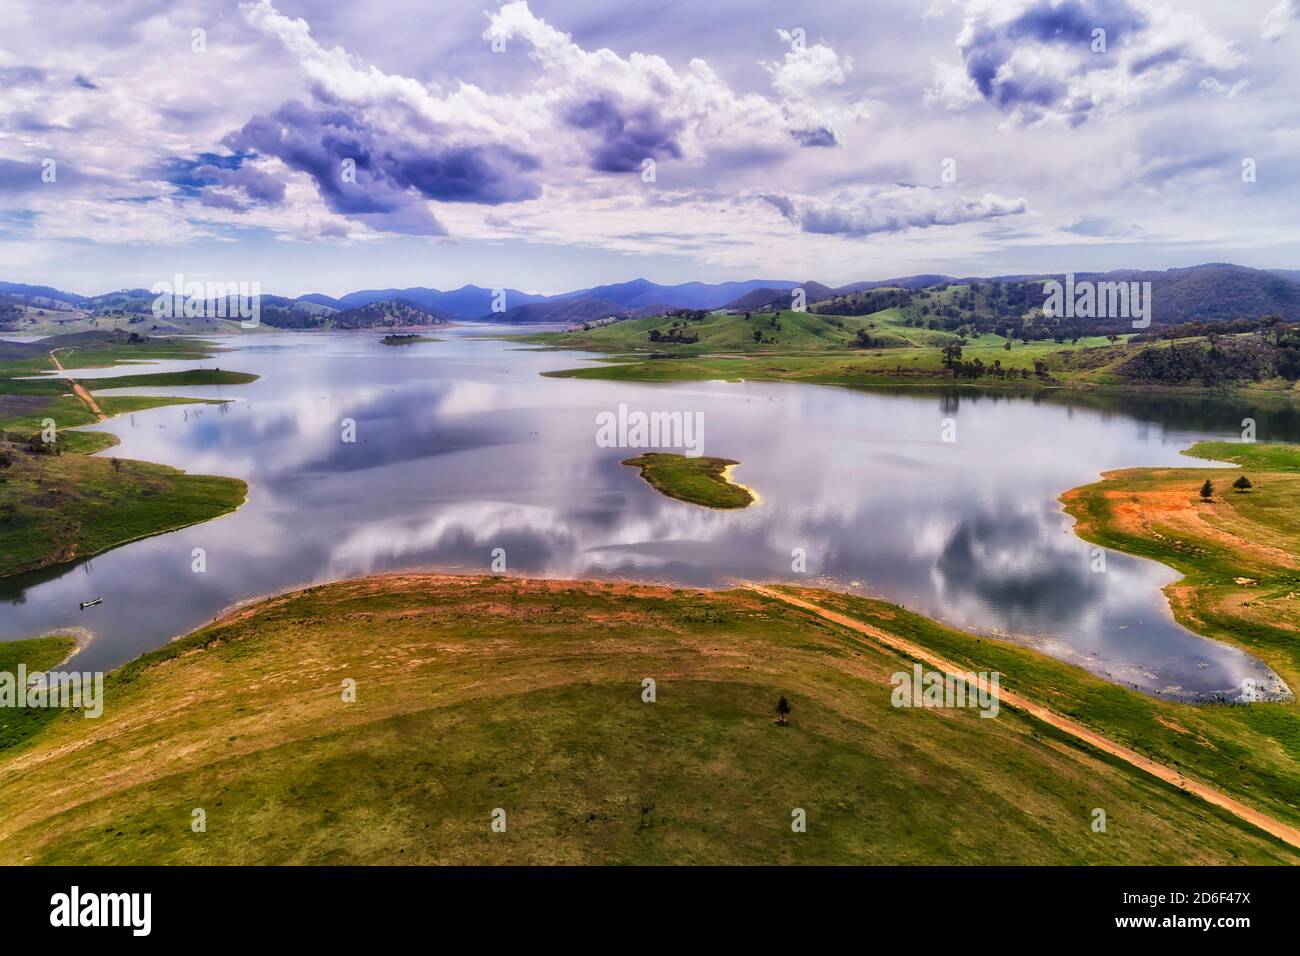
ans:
(385, 314)
(9, 313)
(675, 334)
(865, 340)
(1242, 484)
(37, 445)
(952, 361)
(977, 369)
(1199, 328)
(866, 303)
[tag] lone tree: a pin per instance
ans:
(782, 708)
(1207, 489)
(1242, 484)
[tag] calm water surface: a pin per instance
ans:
(462, 448)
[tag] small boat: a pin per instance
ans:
(86, 604)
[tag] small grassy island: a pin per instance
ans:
(699, 481)
(193, 376)
(406, 338)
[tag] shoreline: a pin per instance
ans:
(727, 475)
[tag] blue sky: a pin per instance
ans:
(316, 146)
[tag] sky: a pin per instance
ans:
(547, 145)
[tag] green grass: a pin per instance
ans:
(1251, 752)
(25, 403)
(820, 349)
(194, 376)
(1250, 455)
(58, 508)
(700, 481)
(1240, 557)
(37, 654)
(718, 332)
(870, 367)
(105, 354)
(73, 442)
(483, 693)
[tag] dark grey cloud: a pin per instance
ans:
(987, 47)
(394, 174)
(819, 136)
(84, 83)
(783, 205)
(25, 121)
(22, 177)
(260, 188)
(12, 77)
(624, 138)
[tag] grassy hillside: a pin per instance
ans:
(891, 347)
(474, 694)
(37, 654)
(1086, 365)
(57, 508)
(720, 332)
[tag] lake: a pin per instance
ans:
(462, 448)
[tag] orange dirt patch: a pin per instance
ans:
(1162, 512)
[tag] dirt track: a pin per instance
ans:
(78, 390)
(1256, 818)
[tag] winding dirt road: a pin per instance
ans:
(78, 390)
(1256, 818)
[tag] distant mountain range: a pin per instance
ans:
(1211, 292)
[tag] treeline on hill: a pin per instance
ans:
(384, 314)
(976, 368)
(1273, 351)
(677, 333)
(1010, 309)
(1198, 328)
(393, 314)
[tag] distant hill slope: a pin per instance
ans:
(1216, 292)
(686, 331)
(467, 302)
(1211, 292)
(384, 315)
(642, 293)
(571, 311)
(772, 298)
(374, 315)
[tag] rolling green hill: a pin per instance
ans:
(479, 696)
